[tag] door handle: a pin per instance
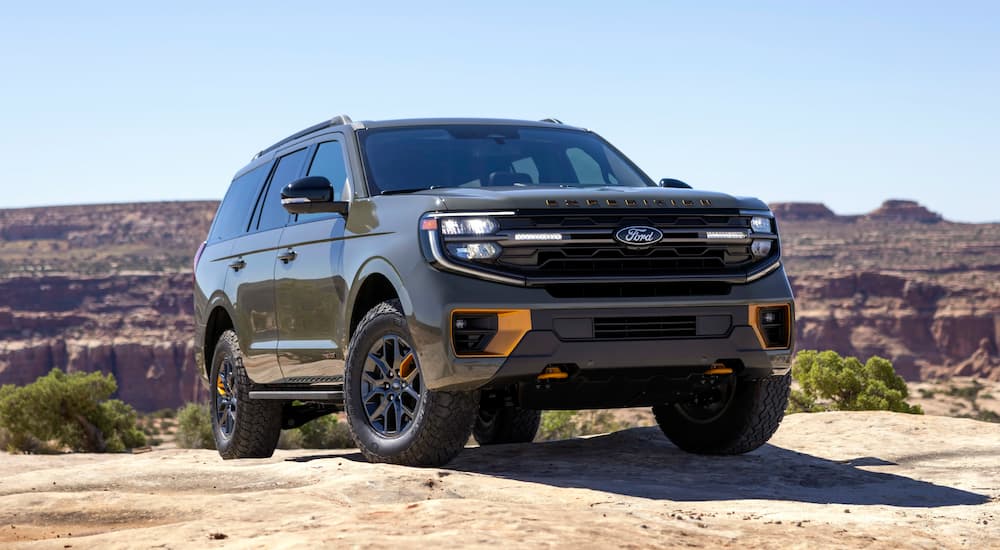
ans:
(287, 256)
(238, 264)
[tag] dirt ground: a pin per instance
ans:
(873, 480)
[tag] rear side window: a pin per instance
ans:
(329, 163)
(273, 214)
(234, 213)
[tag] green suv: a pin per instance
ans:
(442, 278)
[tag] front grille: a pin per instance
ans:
(589, 250)
(638, 328)
(570, 260)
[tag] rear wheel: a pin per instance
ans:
(744, 419)
(495, 426)
(392, 414)
(242, 428)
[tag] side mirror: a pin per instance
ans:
(674, 184)
(311, 195)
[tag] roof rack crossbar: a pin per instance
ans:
(335, 121)
(552, 120)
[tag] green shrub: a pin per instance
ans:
(194, 427)
(828, 381)
(325, 432)
(72, 410)
(556, 425)
(567, 424)
(970, 392)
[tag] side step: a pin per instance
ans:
(300, 395)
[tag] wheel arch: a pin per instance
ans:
(219, 321)
(376, 282)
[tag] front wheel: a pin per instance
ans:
(392, 414)
(744, 420)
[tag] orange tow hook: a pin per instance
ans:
(553, 373)
(719, 369)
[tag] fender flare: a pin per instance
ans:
(377, 266)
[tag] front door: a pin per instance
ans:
(251, 279)
(309, 287)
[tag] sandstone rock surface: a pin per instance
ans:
(830, 480)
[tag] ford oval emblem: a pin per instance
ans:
(639, 235)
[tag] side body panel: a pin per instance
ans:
(251, 291)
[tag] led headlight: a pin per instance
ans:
(760, 248)
(475, 251)
(760, 224)
(468, 226)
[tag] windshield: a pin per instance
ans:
(461, 155)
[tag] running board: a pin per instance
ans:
(300, 395)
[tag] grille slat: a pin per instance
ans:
(638, 328)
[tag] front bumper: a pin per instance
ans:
(558, 332)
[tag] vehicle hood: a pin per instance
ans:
(504, 198)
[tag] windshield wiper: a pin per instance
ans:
(413, 190)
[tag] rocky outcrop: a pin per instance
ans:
(103, 288)
(903, 211)
(983, 363)
(138, 327)
(802, 211)
(900, 283)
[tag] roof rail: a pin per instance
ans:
(552, 120)
(335, 121)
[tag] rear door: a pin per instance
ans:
(250, 283)
(309, 285)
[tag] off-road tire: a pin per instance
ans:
(443, 421)
(752, 417)
(506, 425)
(258, 423)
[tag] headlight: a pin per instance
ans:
(474, 251)
(468, 226)
(760, 224)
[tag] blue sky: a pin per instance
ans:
(843, 102)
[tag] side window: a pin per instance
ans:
(329, 163)
(588, 171)
(234, 213)
(272, 214)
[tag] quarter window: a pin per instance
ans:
(236, 209)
